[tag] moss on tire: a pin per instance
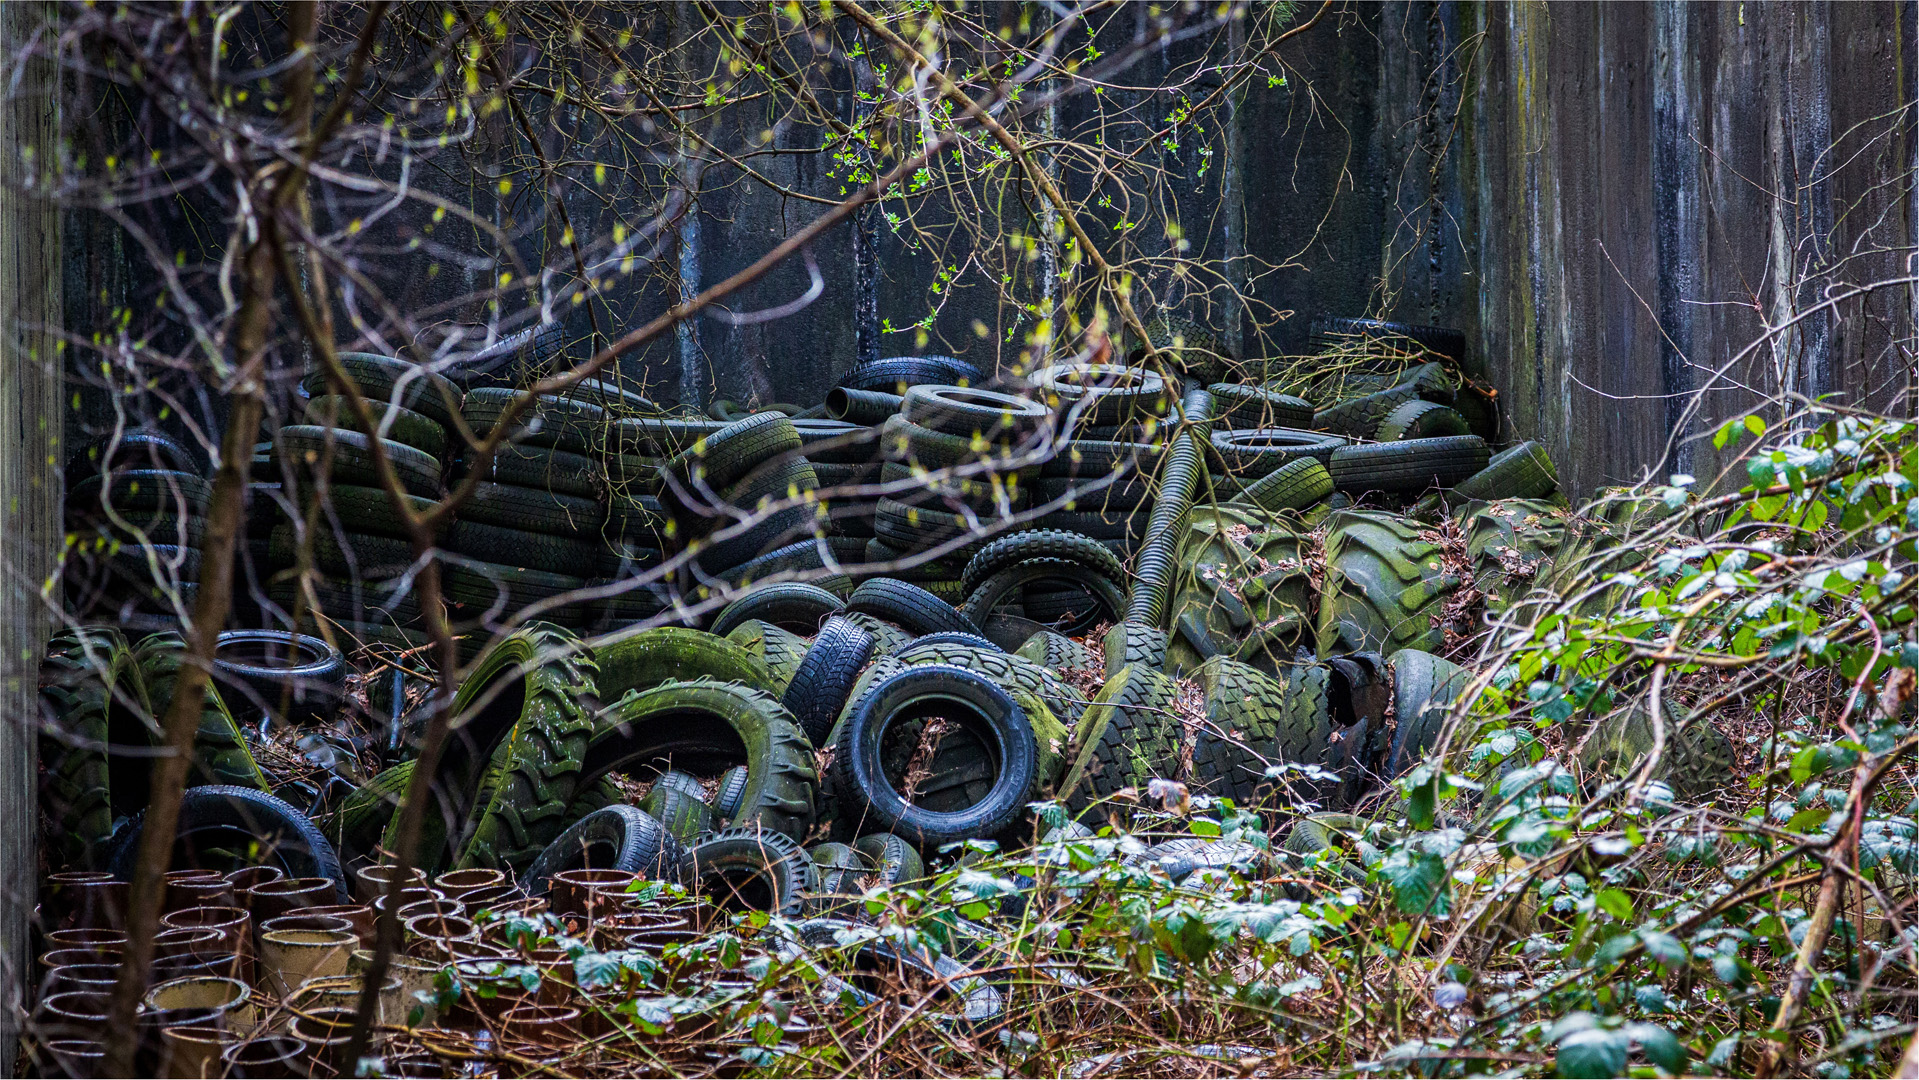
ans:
(781, 650)
(1058, 652)
(1010, 671)
(1127, 736)
(1254, 721)
(356, 826)
(220, 753)
(643, 660)
(1511, 542)
(1384, 586)
(1696, 761)
(705, 727)
(92, 695)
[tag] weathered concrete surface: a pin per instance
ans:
(1628, 195)
(30, 314)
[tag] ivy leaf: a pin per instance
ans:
(1663, 947)
(1614, 903)
(1418, 880)
(1593, 1052)
(1660, 1047)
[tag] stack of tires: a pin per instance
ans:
(1103, 480)
(136, 515)
(334, 514)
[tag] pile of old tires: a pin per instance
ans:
(135, 518)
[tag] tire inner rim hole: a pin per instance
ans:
(740, 888)
(936, 754)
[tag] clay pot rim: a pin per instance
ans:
(239, 915)
(280, 937)
(306, 884)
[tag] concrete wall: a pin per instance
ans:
(30, 428)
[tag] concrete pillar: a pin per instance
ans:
(30, 447)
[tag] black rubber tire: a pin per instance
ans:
(826, 676)
(1698, 758)
(1107, 595)
(697, 475)
(731, 794)
(1012, 550)
(1261, 451)
(1126, 527)
(154, 490)
(426, 392)
(894, 861)
(970, 413)
(1127, 736)
(1056, 652)
(304, 671)
(355, 827)
(913, 486)
(902, 440)
(990, 715)
(895, 374)
(144, 527)
(843, 873)
(1407, 466)
(1102, 393)
(1005, 670)
(954, 637)
(493, 591)
(677, 802)
(562, 423)
(221, 755)
(1384, 588)
(1359, 417)
(1239, 405)
(260, 828)
(887, 638)
(907, 606)
(836, 442)
(1130, 642)
(361, 602)
(706, 727)
(543, 468)
(789, 605)
(1329, 330)
(646, 659)
(92, 700)
(1129, 493)
(1424, 689)
(1098, 458)
(533, 510)
(351, 555)
(522, 717)
(131, 450)
(660, 436)
(616, 837)
(402, 425)
(639, 517)
(369, 511)
(1511, 543)
(913, 529)
(1419, 419)
(1518, 472)
(617, 400)
(750, 870)
(1253, 721)
(530, 550)
(418, 472)
(801, 559)
(1295, 485)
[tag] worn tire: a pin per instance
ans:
(543, 469)
(265, 667)
(483, 590)
(971, 413)
(750, 870)
(533, 510)
(353, 462)
(1056, 652)
(1006, 670)
(696, 476)
(1418, 419)
(224, 818)
(1040, 544)
(220, 752)
(551, 420)
(1359, 417)
(1253, 721)
(1328, 330)
(991, 717)
(896, 374)
(731, 794)
(1237, 405)
(528, 550)
(1131, 642)
(1106, 595)
(521, 724)
(1407, 466)
(894, 861)
(160, 491)
(400, 424)
(369, 511)
(640, 661)
(705, 727)
(1698, 758)
(1384, 586)
(907, 606)
(789, 605)
(1518, 472)
(1102, 393)
(616, 837)
(781, 650)
(92, 700)
(1127, 736)
(826, 676)
(1258, 452)
(1094, 459)
(678, 802)
(356, 825)
(425, 392)
(1424, 689)
(1295, 485)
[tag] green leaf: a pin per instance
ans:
(1755, 425)
(1614, 903)
(1418, 880)
(1594, 1052)
(1660, 1047)
(1664, 948)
